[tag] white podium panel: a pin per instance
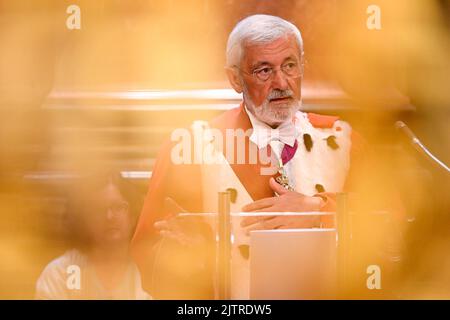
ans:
(293, 264)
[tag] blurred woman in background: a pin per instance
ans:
(101, 216)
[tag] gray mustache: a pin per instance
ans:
(277, 94)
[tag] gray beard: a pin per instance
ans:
(272, 115)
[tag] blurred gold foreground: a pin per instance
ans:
(109, 94)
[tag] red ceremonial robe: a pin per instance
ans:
(182, 183)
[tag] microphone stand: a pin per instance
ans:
(224, 248)
(402, 127)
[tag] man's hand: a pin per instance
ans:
(188, 231)
(287, 201)
(187, 252)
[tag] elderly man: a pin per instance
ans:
(312, 154)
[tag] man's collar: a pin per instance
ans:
(263, 134)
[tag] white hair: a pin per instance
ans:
(259, 29)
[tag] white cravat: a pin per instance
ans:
(263, 134)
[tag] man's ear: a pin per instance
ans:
(234, 78)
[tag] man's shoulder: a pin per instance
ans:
(322, 121)
(233, 118)
(228, 119)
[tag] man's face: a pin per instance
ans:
(277, 99)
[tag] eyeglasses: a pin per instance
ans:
(116, 208)
(291, 69)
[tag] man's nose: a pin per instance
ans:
(279, 80)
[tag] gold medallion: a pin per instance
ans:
(283, 179)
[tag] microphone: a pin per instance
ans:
(402, 127)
